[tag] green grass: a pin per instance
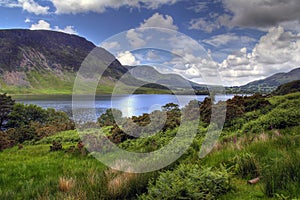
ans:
(276, 160)
(34, 171)
(64, 137)
(48, 83)
(242, 190)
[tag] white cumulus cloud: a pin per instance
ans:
(41, 25)
(67, 29)
(209, 24)
(277, 51)
(160, 21)
(127, 58)
(32, 7)
(27, 5)
(44, 25)
(137, 38)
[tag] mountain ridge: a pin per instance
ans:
(46, 62)
(42, 61)
(268, 84)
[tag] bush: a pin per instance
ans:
(5, 141)
(189, 182)
(285, 115)
(31, 122)
(6, 106)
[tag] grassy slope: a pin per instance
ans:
(34, 171)
(267, 154)
(49, 84)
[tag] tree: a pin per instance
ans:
(171, 107)
(173, 116)
(6, 106)
(23, 115)
(109, 117)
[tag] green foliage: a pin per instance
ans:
(70, 136)
(189, 182)
(245, 165)
(109, 117)
(286, 114)
(5, 140)
(236, 108)
(6, 106)
(34, 173)
(275, 160)
(23, 115)
(274, 156)
(283, 176)
(171, 107)
(118, 135)
(288, 88)
(131, 128)
(30, 122)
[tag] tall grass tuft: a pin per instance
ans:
(66, 184)
(118, 183)
(245, 165)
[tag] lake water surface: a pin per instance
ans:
(130, 105)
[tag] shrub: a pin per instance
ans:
(56, 146)
(108, 118)
(285, 115)
(189, 182)
(5, 141)
(31, 122)
(6, 106)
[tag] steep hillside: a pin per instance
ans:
(46, 61)
(22, 50)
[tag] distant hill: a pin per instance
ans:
(172, 81)
(269, 84)
(287, 88)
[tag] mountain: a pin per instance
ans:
(22, 50)
(47, 62)
(172, 81)
(43, 61)
(268, 84)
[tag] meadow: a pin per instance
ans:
(261, 140)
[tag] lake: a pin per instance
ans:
(130, 105)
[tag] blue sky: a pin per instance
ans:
(247, 40)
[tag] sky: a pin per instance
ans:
(243, 40)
